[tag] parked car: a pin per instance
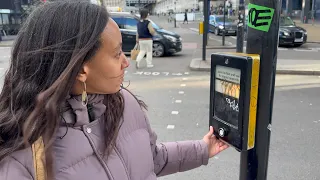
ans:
(289, 33)
(164, 43)
(216, 25)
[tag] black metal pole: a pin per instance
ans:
(254, 163)
(205, 29)
(240, 27)
(224, 23)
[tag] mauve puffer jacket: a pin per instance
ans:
(78, 155)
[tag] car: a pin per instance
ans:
(216, 25)
(164, 42)
(289, 33)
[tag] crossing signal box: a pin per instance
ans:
(233, 98)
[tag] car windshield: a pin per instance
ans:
(220, 20)
(286, 21)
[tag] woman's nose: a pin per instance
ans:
(125, 62)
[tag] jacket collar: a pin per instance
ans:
(77, 115)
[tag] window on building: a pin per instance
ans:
(5, 19)
(131, 24)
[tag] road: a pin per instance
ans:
(178, 101)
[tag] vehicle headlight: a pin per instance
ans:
(305, 33)
(171, 38)
(286, 33)
(220, 27)
(180, 39)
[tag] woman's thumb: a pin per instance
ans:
(210, 132)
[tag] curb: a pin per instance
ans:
(298, 72)
(198, 65)
(279, 71)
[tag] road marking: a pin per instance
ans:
(186, 73)
(194, 29)
(170, 126)
(181, 92)
(233, 37)
(308, 50)
(183, 85)
(175, 112)
(283, 49)
(178, 101)
(184, 79)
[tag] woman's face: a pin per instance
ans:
(104, 72)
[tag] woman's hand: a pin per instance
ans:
(215, 146)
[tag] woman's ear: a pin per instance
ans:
(83, 74)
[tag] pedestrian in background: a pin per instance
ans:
(145, 32)
(185, 16)
(65, 114)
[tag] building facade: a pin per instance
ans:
(115, 3)
(178, 6)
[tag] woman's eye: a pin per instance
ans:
(119, 54)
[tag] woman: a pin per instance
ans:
(144, 38)
(63, 91)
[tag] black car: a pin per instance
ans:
(216, 25)
(289, 33)
(164, 43)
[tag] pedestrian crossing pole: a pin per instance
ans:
(206, 28)
(263, 29)
(240, 26)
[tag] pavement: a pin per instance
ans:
(178, 101)
(313, 31)
(7, 41)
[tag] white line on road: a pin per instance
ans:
(183, 85)
(194, 29)
(175, 112)
(181, 92)
(170, 126)
(184, 79)
(308, 50)
(178, 101)
(186, 73)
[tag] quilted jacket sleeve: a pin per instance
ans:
(173, 157)
(11, 169)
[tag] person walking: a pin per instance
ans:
(185, 17)
(65, 114)
(144, 39)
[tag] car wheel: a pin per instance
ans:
(158, 49)
(216, 31)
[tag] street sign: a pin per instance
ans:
(260, 17)
(233, 98)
